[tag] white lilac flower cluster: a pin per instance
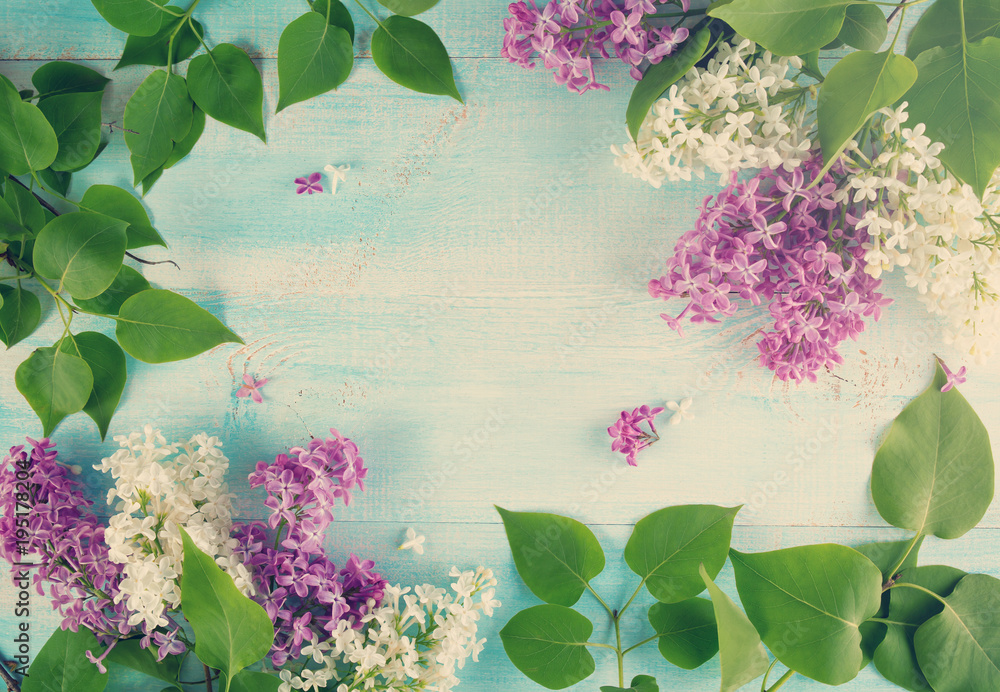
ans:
(416, 640)
(741, 111)
(921, 218)
(160, 487)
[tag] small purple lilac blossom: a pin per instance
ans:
(64, 538)
(309, 185)
(567, 34)
(251, 388)
(629, 437)
(777, 239)
(299, 587)
(954, 378)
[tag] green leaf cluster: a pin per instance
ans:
(230, 633)
(74, 257)
(823, 611)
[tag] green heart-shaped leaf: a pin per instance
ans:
(55, 385)
(228, 87)
(742, 656)
(20, 314)
(959, 649)
(314, 57)
(785, 27)
(61, 664)
(555, 556)
(660, 77)
(909, 608)
(857, 86)
(158, 326)
(408, 52)
(157, 115)
(934, 472)
(955, 97)
(231, 631)
(807, 603)
(688, 634)
(122, 205)
(107, 364)
(180, 150)
(864, 27)
(82, 251)
(76, 120)
(666, 547)
(27, 141)
(139, 17)
(548, 643)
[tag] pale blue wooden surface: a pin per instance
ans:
(474, 299)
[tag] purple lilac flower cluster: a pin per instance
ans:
(776, 238)
(567, 34)
(63, 537)
(303, 592)
(629, 437)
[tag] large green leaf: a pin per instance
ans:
(76, 121)
(61, 664)
(20, 313)
(934, 472)
(666, 547)
(640, 683)
(230, 630)
(955, 95)
(408, 52)
(864, 27)
(158, 326)
(660, 77)
(408, 8)
(910, 608)
(129, 653)
(688, 635)
(555, 556)
(857, 86)
(121, 204)
(27, 141)
(10, 225)
(941, 24)
(25, 206)
(139, 17)
(742, 656)
(180, 150)
(228, 87)
(55, 384)
(785, 27)
(548, 643)
(82, 251)
(314, 57)
(808, 603)
(157, 115)
(107, 364)
(60, 77)
(126, 284)
(959, 649)
(152, 50)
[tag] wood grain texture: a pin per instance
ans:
(471, 309)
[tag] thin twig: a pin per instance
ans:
(12, 685)
(142, 261)
(114, 123)
(208, 678)
(43, 202)
(896, 10)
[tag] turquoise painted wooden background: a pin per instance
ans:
(471, 309)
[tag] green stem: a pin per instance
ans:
(919, 588)
(909, 549)
(891, 622)
(600, 600)
(18, 277)
(368, 12)
(781, 681)
(170, 44)
(618, 651)
(629, 602)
